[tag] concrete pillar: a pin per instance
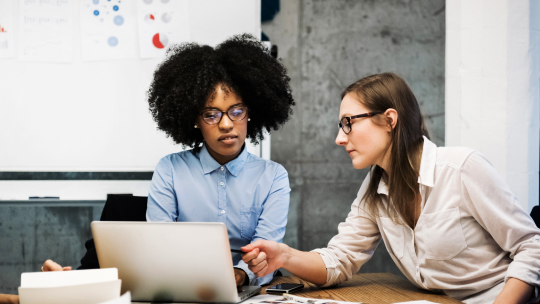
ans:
(492, 87)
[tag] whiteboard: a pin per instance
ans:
(93, 116)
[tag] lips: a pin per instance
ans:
(227, 137)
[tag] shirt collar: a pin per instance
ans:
(427, 167)
(209, 164)
(382, 188)
(427, 163)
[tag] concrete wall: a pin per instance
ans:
(31, 233)
(327, 45)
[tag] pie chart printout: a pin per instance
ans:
(166, 17)
(149, 18)
(160, 40)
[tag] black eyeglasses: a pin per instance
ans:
(345, 122)
(235, 113)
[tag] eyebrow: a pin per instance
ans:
(214, 108)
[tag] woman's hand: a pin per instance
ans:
(9, 299)
(50, 265)
(239, 276)
(264, 257)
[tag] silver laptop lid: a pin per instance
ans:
(168, 262)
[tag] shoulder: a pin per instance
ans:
(454, 157)
(177, 159)
(253, 162)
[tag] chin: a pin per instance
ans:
(229, 150)
(357, 164)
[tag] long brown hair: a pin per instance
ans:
(378, 93)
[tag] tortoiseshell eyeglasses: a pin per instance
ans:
(345, 122)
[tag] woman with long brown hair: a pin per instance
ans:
(447, 218)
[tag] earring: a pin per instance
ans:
(196, 127)
(249, 119)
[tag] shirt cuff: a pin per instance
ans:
(253, 279)
(331, 273)
(525, 266)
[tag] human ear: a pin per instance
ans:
(391, 119)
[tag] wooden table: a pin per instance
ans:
(369, 288)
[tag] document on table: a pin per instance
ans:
(417, 302)
(76, 286)
(290, 299)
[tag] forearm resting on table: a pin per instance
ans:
(6, 298)
(514, 291)
(308, 266)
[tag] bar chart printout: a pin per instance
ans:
(45, 30)
(7, 47)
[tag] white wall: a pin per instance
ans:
(93, 116)
(492, 87)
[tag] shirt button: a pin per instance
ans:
(222, 168)
(222, 183)
(222, 212)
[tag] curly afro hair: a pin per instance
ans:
(188, 78)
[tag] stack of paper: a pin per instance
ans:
(78, 286)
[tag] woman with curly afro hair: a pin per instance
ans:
(212, 100)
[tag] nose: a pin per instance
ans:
(341, 139)
(226, 123)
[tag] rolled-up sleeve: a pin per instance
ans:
(162, 206)
(496, 209)
(354, 244)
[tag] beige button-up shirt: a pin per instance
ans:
(471, 234)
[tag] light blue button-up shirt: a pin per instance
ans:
(249, 195)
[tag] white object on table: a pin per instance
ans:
(77, 286)
(124, 299)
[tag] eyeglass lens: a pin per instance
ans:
(345, 125)
(214, 116)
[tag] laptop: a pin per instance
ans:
(170, 262)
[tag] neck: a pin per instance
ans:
(384, 162)
(223, 159)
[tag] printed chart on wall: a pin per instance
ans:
(7, 48)
(162, 23)
(107, 30)
(45, 28)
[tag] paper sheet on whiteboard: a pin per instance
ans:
(7, 47)
(107, 30)
(162, 24)
(45, 29)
